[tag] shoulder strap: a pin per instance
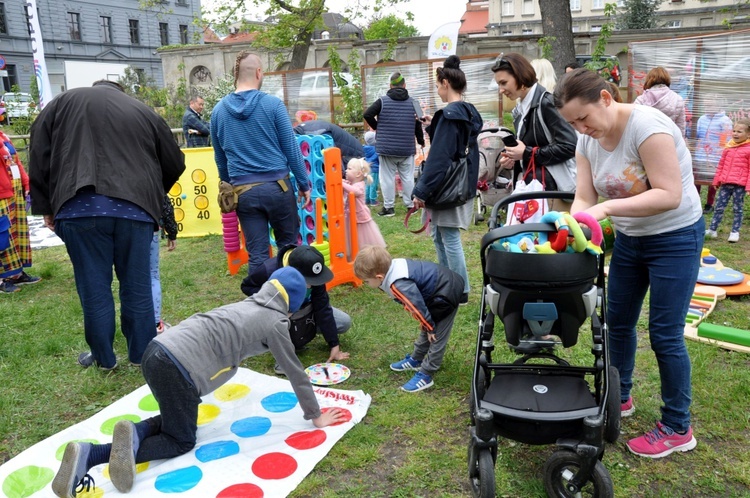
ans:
(541, 119)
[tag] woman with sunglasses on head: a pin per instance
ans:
(634, 157)
(517, 80)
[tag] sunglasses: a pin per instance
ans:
(501, 61)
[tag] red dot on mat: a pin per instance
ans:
(274, 466)
(305, 440)
(244, 490)
(347, 415)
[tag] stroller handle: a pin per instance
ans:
(524, 196)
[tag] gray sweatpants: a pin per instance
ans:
(431, 354)
(389, 167)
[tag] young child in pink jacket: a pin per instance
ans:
(733, 179)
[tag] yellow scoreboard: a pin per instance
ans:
(195, 194)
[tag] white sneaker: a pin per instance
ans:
(734, 237)
(711, 234)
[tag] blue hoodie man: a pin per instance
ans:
(255, 149)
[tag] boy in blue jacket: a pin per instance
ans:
(429, 292)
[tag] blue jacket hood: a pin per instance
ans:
(242, 105)
(463, 111)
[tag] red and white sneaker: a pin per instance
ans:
(627, 408)
(661, 442)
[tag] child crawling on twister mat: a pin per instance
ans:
(190, 360)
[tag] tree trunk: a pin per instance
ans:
(300, 51)
(557, 22)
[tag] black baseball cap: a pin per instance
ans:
(311, 264)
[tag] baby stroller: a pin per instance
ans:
(494, 182)
(540, 398)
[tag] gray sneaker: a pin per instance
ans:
(125, 444)
(73, 473)
(277, 370)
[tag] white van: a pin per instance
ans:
(16, 105)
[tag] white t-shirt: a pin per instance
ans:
(620, 173)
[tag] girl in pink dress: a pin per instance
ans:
(357, 176)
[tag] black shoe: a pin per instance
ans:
(707, 209)
(464, 299)
(387, 212)
(87, 359)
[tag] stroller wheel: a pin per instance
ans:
(612, 413)
(481, 472)
(560, 469)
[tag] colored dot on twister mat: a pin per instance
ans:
(148, 404)
(178, 481)
(139, 467)
(244, 490)
(26, 481)
(217, 450)
(207, 413)
(306, 440)
(108, 426)
(279, 402)
(251, 426)
(231, 392)
(274, 466)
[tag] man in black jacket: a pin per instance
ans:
(196, 131)
(100, 164)
(396, 118)
(316, 313)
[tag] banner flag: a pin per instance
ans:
(443, 41)
(37, 50)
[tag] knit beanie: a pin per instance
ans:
(293, 283)
(370, 138)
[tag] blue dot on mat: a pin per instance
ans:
(179, 480)
(251, 426)
(279, 402)
(217, 450)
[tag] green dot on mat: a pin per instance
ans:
(108, 427)
(148, 404)
(26, 481)
(61, 449)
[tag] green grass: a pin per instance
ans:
(409, 445)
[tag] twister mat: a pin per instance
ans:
(252, 443)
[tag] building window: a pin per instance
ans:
(595, 28)
(74, 25)
(181, 3)
(575, 28)
(597, 4)
(11, 79)
(106, 29)
(164, 33)
(674, 24)
(528, 7)
(507, 33)
(135, 31)
(183, 34)
(575, 5)
(507, 7)
(27, 18)
(527, 31)
(3, 26)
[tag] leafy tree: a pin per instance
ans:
(639, 14)
(351, 95)
(557, 25)
(390, 26)
(293, 22)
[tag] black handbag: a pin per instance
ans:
(455, 189)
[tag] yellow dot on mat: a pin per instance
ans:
(207, 413)
(139, 467)
(231, 392)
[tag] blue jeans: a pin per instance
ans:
(263, 205)
(667, 263)
(155, 278)
(371, 191)
(94, 245)
(450, 252)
